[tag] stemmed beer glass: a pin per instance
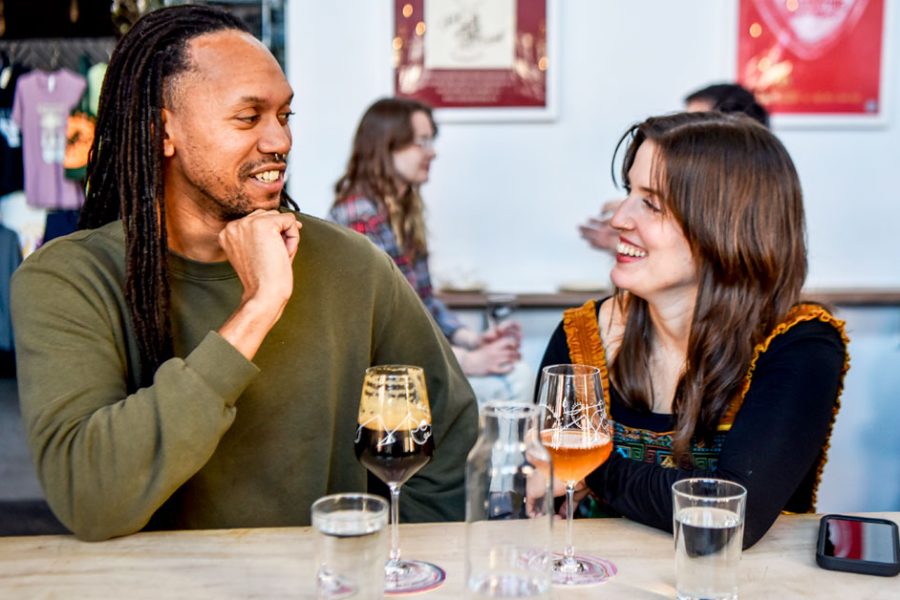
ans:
(394, 441)
(576, 432)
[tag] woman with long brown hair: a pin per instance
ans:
(378, 196)
(711, 364)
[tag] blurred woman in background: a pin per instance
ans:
(378, 196)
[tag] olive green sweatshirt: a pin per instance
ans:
(217, 440)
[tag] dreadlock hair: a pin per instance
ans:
(732, 188)
(125, 168)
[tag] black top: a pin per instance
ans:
(772, 448)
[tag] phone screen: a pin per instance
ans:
(859, 540)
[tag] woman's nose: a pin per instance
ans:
(621, 218)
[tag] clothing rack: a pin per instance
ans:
(50, 54)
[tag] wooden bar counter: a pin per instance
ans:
(278, 563)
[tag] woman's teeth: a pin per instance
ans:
(629, 250)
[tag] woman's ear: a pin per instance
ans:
(168, 137)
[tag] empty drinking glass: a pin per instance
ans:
(351, 546)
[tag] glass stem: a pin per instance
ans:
(395, 523)
(570, 516)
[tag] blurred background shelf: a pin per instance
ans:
(550, 300)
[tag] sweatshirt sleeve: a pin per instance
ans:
(109, 456)
(774, 440)
(408, 335)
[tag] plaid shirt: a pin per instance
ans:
(366, 217)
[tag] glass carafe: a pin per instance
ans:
(509, 506)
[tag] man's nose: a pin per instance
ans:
(276, 138)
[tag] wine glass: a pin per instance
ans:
(394, 441)
(576, 432)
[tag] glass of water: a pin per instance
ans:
(708, 520)
(498, 309)
(351, 546)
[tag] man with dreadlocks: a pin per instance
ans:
(186, 361)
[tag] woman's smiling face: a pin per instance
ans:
(653, 257)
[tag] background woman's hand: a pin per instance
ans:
(506, 329)
(598, 232)
(494, 358)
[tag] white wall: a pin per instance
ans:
(505, 198)
(863, 469)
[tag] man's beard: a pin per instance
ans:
(232, 208)
(227, 203)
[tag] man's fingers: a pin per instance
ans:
(292, 243)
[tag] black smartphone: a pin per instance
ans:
(858, 545)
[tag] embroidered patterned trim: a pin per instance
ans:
(583, 338)
(798, 314)
(656, 447)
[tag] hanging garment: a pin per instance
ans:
(80, 130)
(95, 77)
(41, 109)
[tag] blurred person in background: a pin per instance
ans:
(378, 196)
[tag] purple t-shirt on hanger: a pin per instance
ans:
(41, 110)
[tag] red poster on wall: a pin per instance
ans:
(485, 58)
(813, 57)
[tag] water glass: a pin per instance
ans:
(498, 309)
(351, 546)
(708, 521)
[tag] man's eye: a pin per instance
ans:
(286, 116)
(248, 118)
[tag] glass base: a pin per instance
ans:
(581, 570)
(412, 576)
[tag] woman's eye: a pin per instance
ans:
(651, 205)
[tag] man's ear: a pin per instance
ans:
(168, 137)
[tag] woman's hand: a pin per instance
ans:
(598, 232)
(559, 489)
(495, 358)
(506, 329)
(537, 485)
